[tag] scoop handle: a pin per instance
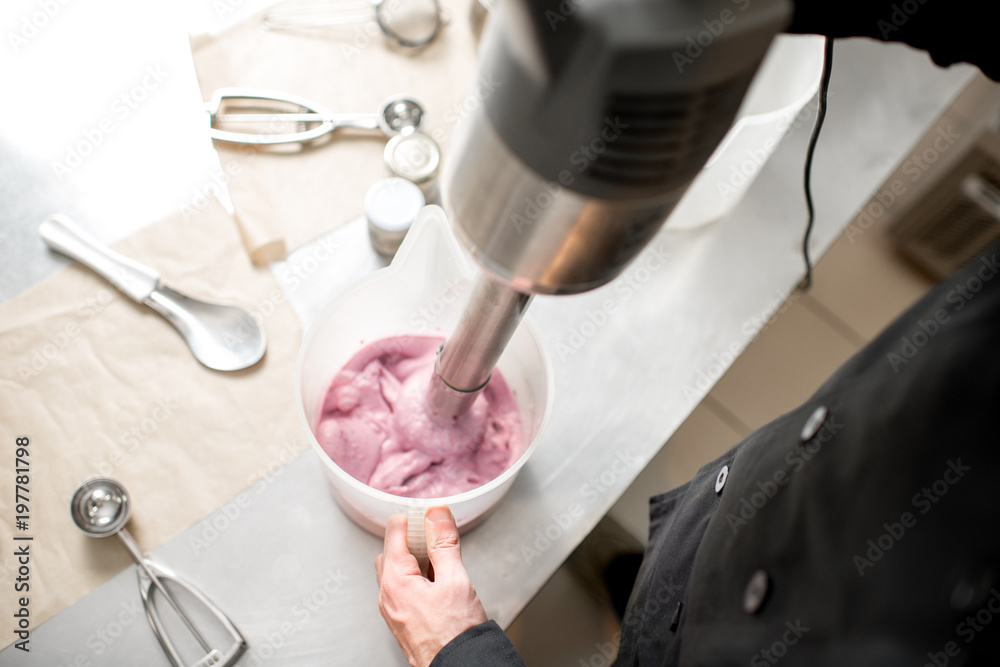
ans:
(137, 281)
(213, 657)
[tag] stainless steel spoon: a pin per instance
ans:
(221, 336)
(100, 508)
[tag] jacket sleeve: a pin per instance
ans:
(951, 31)
(483, 645)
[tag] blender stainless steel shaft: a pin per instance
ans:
(603, 113)
(465, 361)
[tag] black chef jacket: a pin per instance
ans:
(862, 528)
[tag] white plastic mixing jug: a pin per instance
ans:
(420, 293)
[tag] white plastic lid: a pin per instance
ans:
(392, 204)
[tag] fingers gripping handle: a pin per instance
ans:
(135, 280)
(416, 536)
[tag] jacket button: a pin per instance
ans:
(720, 480)
(971, 591)
(756, 592)
(813, 424)
(963, 596)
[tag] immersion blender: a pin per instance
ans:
(603, 113)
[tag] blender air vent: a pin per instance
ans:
(666, 137)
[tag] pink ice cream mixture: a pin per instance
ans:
(375, 424)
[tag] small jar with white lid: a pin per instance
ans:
(391, 206)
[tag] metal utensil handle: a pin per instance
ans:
(145, 566)
(361, 121)
(328, 120)
(320, 16)
(213, 657)
(134, 279)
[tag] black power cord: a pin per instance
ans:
(824, 86)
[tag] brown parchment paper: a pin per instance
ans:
(283, 200)
(103, 385)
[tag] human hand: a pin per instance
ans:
(425, 614)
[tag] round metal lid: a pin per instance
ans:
(415, 156)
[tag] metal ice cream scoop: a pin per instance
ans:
(259, 107)
(221, 336)
(100, 508)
